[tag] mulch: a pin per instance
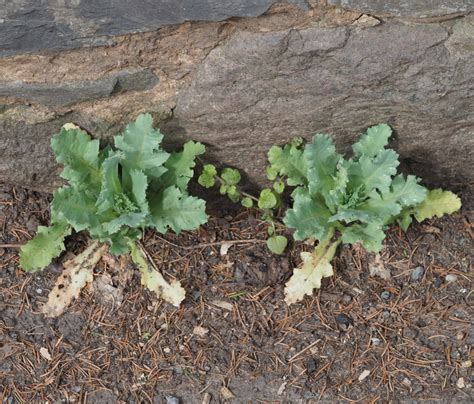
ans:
(360, 338)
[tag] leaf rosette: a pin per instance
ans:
(115, 193)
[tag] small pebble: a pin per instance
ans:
(451, 278)
(376, 341)
(417, 274)
(311, 365)
(460, 336)
(466, 364)
(437, 282)
(410, 333)
(172, 400)
(76, 389)
(455, 354)
(39, 291)
(385, 315)
(406, 382)
(346, 299)
(385, 295)
(166, 350)
(460, 384)
(344, 322)
(417, 389)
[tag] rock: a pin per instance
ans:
(346, 299)
(270, 87)
(417, 274)
(410, 333)
(438, 281)
(28, 25)
(366, 21)
(72, 92)
(417, 389)
(310, 365)
(375, 341)
(385, 315)
(364, 375)
(344, 322)
(239, 87)
(407, 8)
(460, 43)
(172, 400)
(451, 278)
(385, 295)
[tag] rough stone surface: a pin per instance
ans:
(31, 25)
(243, 85)
(408, 8)
(262, 89)
(71, 92)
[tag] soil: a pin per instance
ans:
(359, 339)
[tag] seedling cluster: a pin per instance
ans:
(116, 192)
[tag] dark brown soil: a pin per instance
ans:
(414, 336)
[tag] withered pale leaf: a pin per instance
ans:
(172, 292)
(308, 276)
(78, 272)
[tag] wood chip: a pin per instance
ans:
(225, 247)
(364, 375)
(226, 393)
(281, 389)
(377, 268)
(223, 304)
(430, 229)
(108, 293)
(200, 331)
(206, 399)
(466, 364)
(45, 353)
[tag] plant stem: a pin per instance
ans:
(327, 246)
(222, 182)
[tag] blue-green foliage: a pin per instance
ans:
(115, 193)
(356, 198)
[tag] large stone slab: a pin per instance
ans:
(408, 8)
(69, 92)
(32, 25)
(261, 89)
(243, 85)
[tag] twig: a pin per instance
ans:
(11, 245)
(216, 243)
(303, 350)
